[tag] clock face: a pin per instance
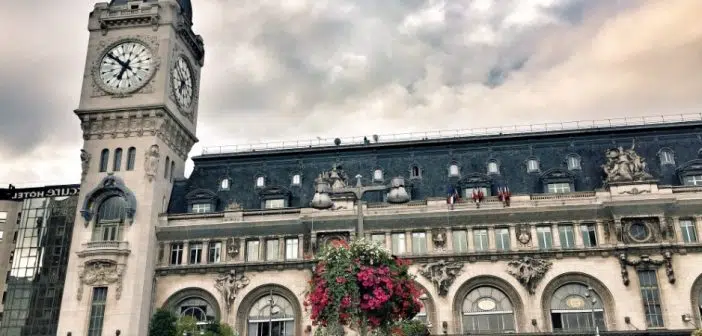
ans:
(182, 82)
(126, 67)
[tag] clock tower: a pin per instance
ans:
(138, 113)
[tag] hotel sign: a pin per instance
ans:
(52, 191)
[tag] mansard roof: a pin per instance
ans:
(433, 157)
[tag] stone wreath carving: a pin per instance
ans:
(438, 237)
(523, 233)
(233, 247)
(644, 262)
(529, 271)
(101, 273)
(442, 274)
(228, 285)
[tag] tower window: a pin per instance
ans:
(117, 163)
(131, 158)
(172, 169)
(165, 170)
(104, 158)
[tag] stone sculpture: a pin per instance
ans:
(523, 233)
(442, 274)
(100, 273)
(398, 193)
(439, 239)
(625, 165)
(529, 271)
(85, 163)
(232, 247)
(645, 262)
(151, 162)
(228, 285)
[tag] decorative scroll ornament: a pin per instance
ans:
(101, 273)
(84, 163)
(233, 247)
(529, 271)
(151, 162)
(645, 262)
(442, 274)
(625, 165)
(228, 285)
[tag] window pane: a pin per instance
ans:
(275, 203)
(502, 239)
(460, 240)
(378, 238)
(272, 249)
(480, 239)
(651, 298)
(97, 311)
(543, 234)
(398, 243)
(419, 243)
(176, 253)
(215, 253)
(252, 250)
(688, 231)
(566, 235)
(195, 253)
(589, 234)
(291, 248)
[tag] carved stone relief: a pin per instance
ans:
(625, 165)
(529, 271)
(228, 285)
(100, 273)
(84, 163)
(642, 230)
(523, 233)
(645, 262)
(438, 237)
(151, 160)
(442, 274)
(233, 247)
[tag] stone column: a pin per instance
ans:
(408, 242)
(388, 240)
(577, 234)
(165, 248)
(600, 229)
(534, 236)
(282, 248)
(186, 253)
(223, 255)
(449, 239)
(677, 230)
(243, 248)
(261, 248)
(470, 240)
(204, 254)
(513, 241)
(698, 226)
(300, 246)
(492, 240)
(430, 240)
(556, 236)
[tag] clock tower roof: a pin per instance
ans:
(185, 6)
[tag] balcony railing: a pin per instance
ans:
(460, 133)
(111, 245)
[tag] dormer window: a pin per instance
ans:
(693, 180)
(296, 180)
(415, 172)
(378, 175)
(556, 188)
(201, 207)
(573, 162)
(453, 170)
(666, 156)
(493, 167)
(260, 182)
(275, 203)
(532, 165)
(224, 184)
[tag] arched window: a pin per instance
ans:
(453, 170)
(487, 309)
(131, 158)
(666, 156)
(415, 172)
(165, 170)
(296, 180)
(110, 219)
(197, 308)
(572, 306)
(378, 175)
(224, 185)
(104, 158)
(260, 182)
(271, 315)
(532, 165)
(573, 162)
(172, 169)
(117, 162)
(493, 167)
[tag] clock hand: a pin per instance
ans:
(115, 59)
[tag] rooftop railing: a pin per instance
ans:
(453, 134)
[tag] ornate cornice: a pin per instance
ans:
(137, 123)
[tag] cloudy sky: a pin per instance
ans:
(289, 69)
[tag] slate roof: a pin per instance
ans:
(434, 157)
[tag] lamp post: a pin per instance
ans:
(593, 300)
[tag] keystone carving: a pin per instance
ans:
(101, 273)
(442, 274)
(645, 262)
(529, 271)
(228, 285)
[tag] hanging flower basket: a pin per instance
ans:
(361, 285)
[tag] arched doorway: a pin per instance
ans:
(696, 298)
(196, 303)
(271, 315)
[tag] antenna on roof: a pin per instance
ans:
(337, 141)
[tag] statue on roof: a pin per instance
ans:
(625, 165)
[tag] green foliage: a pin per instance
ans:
(413, 328)
(163, 323)
(697, 332)
(187, 324)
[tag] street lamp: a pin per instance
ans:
(593, 302)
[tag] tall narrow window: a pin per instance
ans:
(117, 162)
(172, 169)
(97, 311)
(398, 243)
(687, 228)
(272, 249)
(296, 180)
(453, 170)
(460, 241)
(667, 157)
(502, 239)
(110, 217)
(480, 239)
(215, 252)
(532, 166)
(493, 168)
(543, 235)
(131, 158)
(176, 253)
(419, 243)
(104, 158)
(292, 247)
(567, 236)
(252, 250)
(589, 232)
(167, 165)
(378, 175)
(573, 162)
(415, 172)
(195, 253)
(260, 182)
(651, 298)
